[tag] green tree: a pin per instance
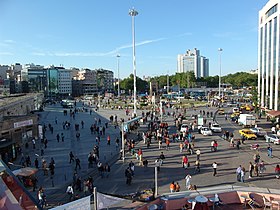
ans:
(128, 84)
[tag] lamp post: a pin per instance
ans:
(118, 58)
(133, 13)
(220, 60)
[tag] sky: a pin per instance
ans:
(90, 33)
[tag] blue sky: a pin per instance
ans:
(90, 33)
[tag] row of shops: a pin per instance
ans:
(15, 132)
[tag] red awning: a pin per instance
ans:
(273, 113)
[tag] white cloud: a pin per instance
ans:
(96, 54)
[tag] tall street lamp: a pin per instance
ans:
(220, 59)
(133, 13)
(118, 58)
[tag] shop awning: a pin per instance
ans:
(25, 171)
(273, 113)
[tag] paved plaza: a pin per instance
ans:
(228, 159)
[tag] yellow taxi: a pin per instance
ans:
(247, 134)
(221, 111)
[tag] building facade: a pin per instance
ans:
(268, 55)
(192, 61)
(105, 80)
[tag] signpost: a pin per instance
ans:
(125, 129)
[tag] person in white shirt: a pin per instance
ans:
(197, 154)
(70, 192)
(214, 165)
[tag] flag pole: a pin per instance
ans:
(95, 198)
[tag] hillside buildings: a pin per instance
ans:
(192, 61)
(268, 55)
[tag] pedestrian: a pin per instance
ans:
(40, 196)
(238, 143)
(214, 165)
(262, 167)
(181, 147)
(172, 187)
(197, 166)
(45, 168)
(131, 167)
(242, 175)
(185, 161)
(70, 192)
(140, 156)
(33, 143)
(277, 171)
(198, 154)
(188, 181)
(161, 158)
(78, 136)
(82, 123)
(256, 157)
(167, 141)
(238, 173)
(57, 137)
(269, 151)
(256, 169)
(251, 169)
(177, 187)
(78, 163)
(71, 157)
(107, 170)
(62, 137)
(128, 176)
(108, 140)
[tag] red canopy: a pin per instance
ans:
(273, 113)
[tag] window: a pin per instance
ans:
(271, 11)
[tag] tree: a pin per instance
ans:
(128, 84)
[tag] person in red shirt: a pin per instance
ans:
(108, 140)
(277, 171)
(185, 161)
(140, 155)
(167, 141)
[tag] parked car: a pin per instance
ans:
(205, 131)
(184, 128)
(247, 134)
(272, 138)
(215, 127)
(260, 132)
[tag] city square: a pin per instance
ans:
(109, 105)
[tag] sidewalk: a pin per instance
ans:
(55, 187)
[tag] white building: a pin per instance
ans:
(64, 82)
(268, 55)
(194, 62)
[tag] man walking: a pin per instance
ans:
(214, 165)
(198, 154)
(238, 173)
(77, 163)
(71, 156)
